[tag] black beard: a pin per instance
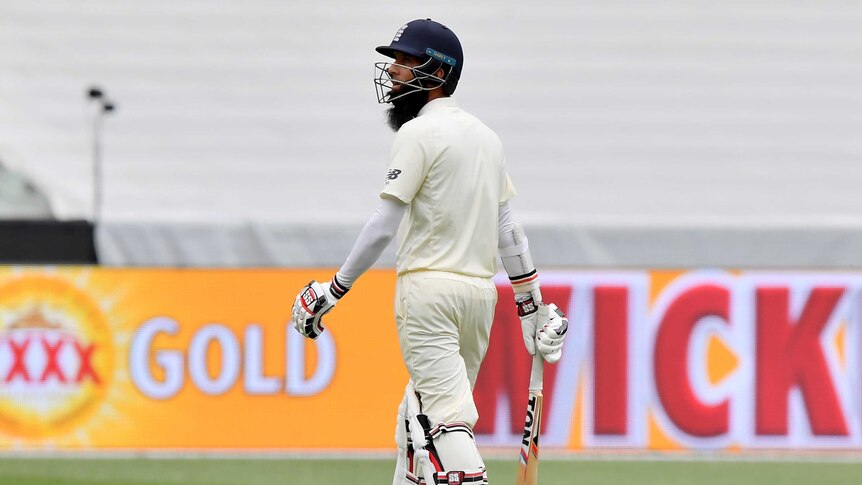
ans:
(406, 107)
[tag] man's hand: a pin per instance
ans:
(314, 301)
(528, 308)
(551, 332)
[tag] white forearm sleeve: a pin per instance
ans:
(515, 252)
(372, 240)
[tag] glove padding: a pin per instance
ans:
(528, 308)
(551, 332)
(311, 304)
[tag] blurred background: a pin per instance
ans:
(171, 173)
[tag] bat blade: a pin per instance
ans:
(528, 460)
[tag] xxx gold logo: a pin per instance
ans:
(56, 356)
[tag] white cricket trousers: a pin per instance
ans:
(444, 323)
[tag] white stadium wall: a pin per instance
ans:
(639, 134)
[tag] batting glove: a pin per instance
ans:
(528, 307)
(312, 303)
(552, 332)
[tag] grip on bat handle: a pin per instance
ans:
(537, 373)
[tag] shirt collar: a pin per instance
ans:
(435, 104)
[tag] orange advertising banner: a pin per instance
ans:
(150, 358)
(154, 359)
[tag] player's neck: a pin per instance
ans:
(435, 94)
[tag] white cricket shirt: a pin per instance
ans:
(450, 168)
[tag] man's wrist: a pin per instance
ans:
(336, 288)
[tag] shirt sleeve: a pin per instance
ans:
(505, 223)
(409, 163)
(372, 240)
(508, 192)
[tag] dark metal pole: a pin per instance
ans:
(105, 106)
(97, 165)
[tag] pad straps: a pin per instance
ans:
(441, 476)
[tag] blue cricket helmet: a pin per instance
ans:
(427, 39)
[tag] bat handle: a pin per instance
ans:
(537, 372)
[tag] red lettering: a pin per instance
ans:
(19, 364)
(680, 402)
(86, 370)
(610, 351)
(52, 367)
(789, 355)
(506, 369)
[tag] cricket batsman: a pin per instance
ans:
(446, 195)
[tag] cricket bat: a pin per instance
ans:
(528, 461)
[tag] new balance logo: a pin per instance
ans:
(393, 174)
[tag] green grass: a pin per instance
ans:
(291, 471)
